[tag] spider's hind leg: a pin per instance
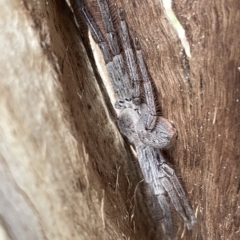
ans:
(167, 224)
(151, 115)
(172, 186)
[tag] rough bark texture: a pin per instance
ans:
(62, 159)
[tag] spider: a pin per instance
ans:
(138, 119)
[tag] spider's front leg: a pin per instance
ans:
(161, 136)
(109, 46)
(153, 130)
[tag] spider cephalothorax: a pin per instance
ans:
(138, 120)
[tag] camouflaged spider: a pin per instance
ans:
(138, 120)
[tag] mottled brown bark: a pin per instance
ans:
(62, 157)
(63, 161)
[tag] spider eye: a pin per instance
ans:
(128, 99)
(121, 101)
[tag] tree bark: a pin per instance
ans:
(62, 157)
(63, 161)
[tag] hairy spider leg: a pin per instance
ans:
(149, 161)
(123, 80)
(167, 220)
(151, 116)
(162, 179)
(181, 194)
(130, 58)
(80, 8)
(171, 185)
(168, 182)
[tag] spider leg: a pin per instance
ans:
(111, 55)
(178, 188)
(169, 188)
(130, 59)
(149, 163)
(80, 8)
(167, 219)
(162, 180)
(121, 73)
(153, 130)
(150, 116)
(171, 184)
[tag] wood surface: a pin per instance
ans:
(65, 170)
